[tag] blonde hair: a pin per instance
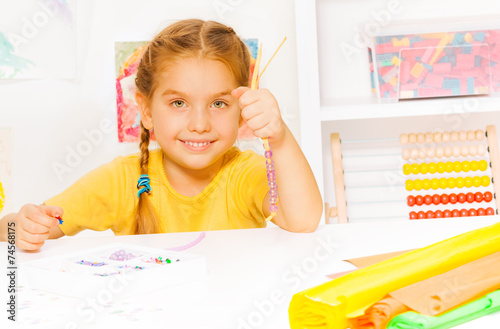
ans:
(185, 39)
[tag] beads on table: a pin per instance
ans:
(159, 260)
(439, 152)
(452, 213)
(452, 198)
(441, 167)
(271, 178)
(444, 137)
(88, 263)
(121, 255)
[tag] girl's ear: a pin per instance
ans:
(146, 117)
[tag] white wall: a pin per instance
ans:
(49, 118)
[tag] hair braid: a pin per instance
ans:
(146, 219)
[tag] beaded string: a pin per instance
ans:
(271, 175)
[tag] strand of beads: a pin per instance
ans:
(271, 177)
(452, 213)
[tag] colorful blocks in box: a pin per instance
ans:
(451, 63)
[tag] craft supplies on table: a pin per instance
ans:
(434, 58)
(120, 269)
(331, 304)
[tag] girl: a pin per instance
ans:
(192, 92)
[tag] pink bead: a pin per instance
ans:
(273, 200)
(271, 175)
(268, 154)
(273, 192)
(270, 166)
(273, 185)
(273, 208)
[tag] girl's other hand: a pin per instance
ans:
(260, 110)
(34, 223)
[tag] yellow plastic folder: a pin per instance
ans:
(330, 305)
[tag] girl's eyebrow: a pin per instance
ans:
(180, 93)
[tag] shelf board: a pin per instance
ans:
(354, 108)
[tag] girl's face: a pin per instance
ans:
(194, 117)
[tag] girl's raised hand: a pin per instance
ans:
(260, 110)
(33, 225)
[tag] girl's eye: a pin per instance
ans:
(219, 104)
(179, 103)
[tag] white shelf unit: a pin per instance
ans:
(334, 88)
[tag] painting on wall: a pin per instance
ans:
(38, 39)
(5, 171)
(127, 58)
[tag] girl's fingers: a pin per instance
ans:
(33, 227)
(22, 244)
(53, 211)
(37, 214)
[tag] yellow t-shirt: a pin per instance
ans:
(106, 197)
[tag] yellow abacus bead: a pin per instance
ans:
(468, 182)
(415, 168)
(409, 185)
(443, 183)
(407, 169)
(432, 168)
(434, 183)
(483, 165)
(449, 166)
(476, 181)
(424, 168)
(474, 165)
(451, 182)
(426, 184)
(485, 181)
(460, 182)
(417, 184)
(441, 167)
(465, 166)
(457, 166)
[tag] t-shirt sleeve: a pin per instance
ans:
(250, 179)
(94, 201)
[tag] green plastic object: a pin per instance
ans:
(476, 309)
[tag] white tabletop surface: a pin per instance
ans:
(252, 274)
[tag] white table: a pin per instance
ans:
(252, 274)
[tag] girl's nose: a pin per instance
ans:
(199, 120)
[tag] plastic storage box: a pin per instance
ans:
(121, 270)
(421, 59)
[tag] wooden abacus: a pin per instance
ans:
(420, 153)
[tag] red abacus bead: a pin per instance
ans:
(439, 214)
(453, 198)
(472, 212)
(478, 197)
(445, 198)
(446, 213)
(455, 213)
(421, 215)
(481, 212)
(419, 200)
(427, 199)
(461, 197)
(430, 214)
(413, 215)
(436, 199)
(464, 213)
(488, 196)
(411, 200)
(470, 197)
(490, 211)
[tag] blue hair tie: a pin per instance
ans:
(144, 182)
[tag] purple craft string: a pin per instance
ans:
(191, 244)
